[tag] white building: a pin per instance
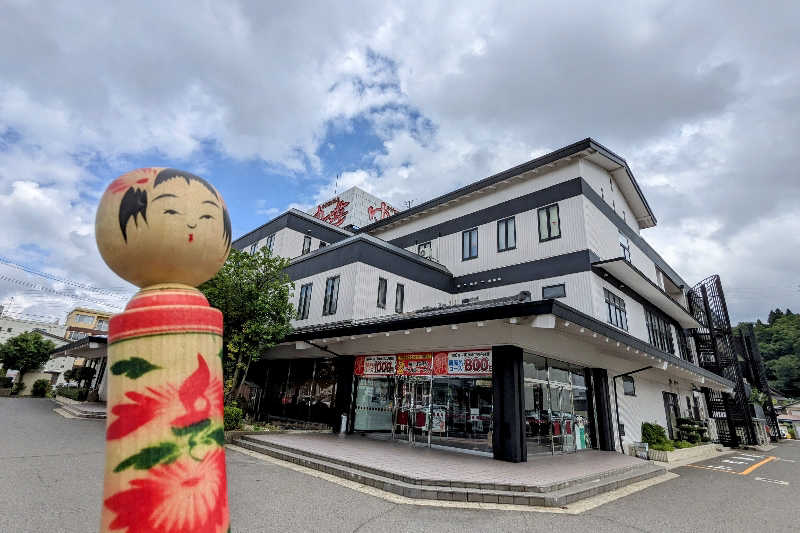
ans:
(11, 327)
(523, 313)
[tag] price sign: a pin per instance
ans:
(415, 364)
(470, 363)
(379, 365)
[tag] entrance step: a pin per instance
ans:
(550, 495)
(77, 411)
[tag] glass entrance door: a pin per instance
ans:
(412, 413)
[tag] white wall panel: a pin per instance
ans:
(344, 309)
(532, 182)
(601, 181)
(646, 406)
(416, 295)
(636, 322)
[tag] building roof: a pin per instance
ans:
(600, 154)
(284, 220)
(84, 344)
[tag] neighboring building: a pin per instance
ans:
(11, 327)
(520, 314)
(82, 322)
(352, 209)
(93, 351)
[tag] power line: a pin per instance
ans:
(57, 292)
(73, 283)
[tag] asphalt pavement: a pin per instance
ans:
(51, 475)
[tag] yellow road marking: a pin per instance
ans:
(758, 464)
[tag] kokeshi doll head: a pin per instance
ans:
(161, 225)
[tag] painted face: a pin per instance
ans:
(158, 226)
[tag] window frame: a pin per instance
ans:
(659, 330)
(304, 304)
(617, 313)
(563, 288)
(382, 283)
(253, 248)
(502, 225)
(626, 250)
(322, 244)
(547, 209)
(632, 382)
(306, 241)
(399, 297)
(429, 245)
(477, 249)
(330, 302)
(270, 242)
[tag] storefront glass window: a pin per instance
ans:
(373, 405)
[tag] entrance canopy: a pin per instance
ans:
(549, 328)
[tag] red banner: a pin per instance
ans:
(465, 363)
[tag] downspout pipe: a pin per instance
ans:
(616, 400)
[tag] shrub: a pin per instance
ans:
(18, 388)
(40, 387)
(665, 446)
(6, 382)
(694, 438)
(73, 393)
(653, 434)
(705, 438)
(233, 418)
(680, 444)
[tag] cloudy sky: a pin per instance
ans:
(271, 101)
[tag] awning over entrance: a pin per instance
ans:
(631, 276)
(544, 327)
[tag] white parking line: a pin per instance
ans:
(744, 458)
(733, 462)
(775, 481)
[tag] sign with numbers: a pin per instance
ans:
(469, 363)
(375, 365)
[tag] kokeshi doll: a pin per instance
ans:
(165, 231)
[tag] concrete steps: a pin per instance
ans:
(77, 411)
(547, 495)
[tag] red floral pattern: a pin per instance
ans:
(199, 397)
(187, 496)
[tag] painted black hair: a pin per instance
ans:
(134, 202)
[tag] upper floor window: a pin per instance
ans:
(683, 345)
(628, 386)
(305, 301)
(625, 244)
(382, 293)
(270, 242)
(253, 248)
(424, 250)
(611, 184)
(306, 245)
(331, 296)
(554, 291)
(399, 296)
(469, 244)
(506, 234)
(659, 331)
(84, 319)
(102, 324)
(549, 223)
(617, 316)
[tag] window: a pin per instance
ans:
(306, 245)
(331, 296)
(102, 324)
(549, 224)
(506, 235)
(469, 244)
(382, 293)
(323, 244)
(270, 242)
(84, 319)
(659, 331)
(611, 183)
(253, 248)
(616, 310)
(683, 345)
(424, 250)
(399, 296)
(305, 301)
(625, 244)
(554, 291)
(628, 386)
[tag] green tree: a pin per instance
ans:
(786, 372)
(252, 291)
(25, 352)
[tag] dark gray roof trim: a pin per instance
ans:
(492, 310)
(374, 252)
(298, 221)
(561, 153)
(549, 267)
(79, 343)
(550, 195)
(637, 239)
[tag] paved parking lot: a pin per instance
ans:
(51, 474)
